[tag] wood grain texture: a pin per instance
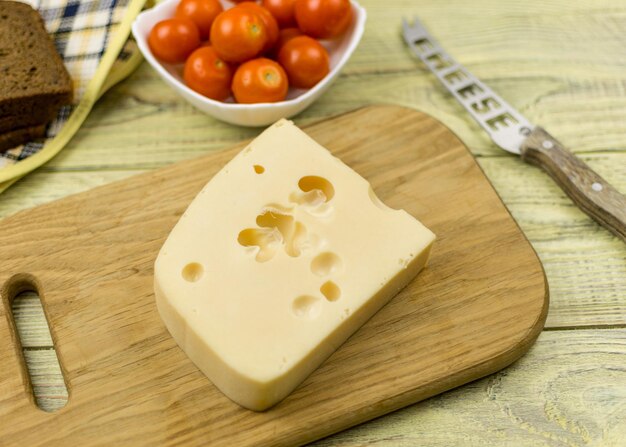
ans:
(44, 371)
(590, 192)
(559, 62)
(569, 391)
(478, 307)
(537, 55)
(585, 264)
(143, 124)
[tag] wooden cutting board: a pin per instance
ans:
(478, 306)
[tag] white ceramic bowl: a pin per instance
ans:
(262, 114)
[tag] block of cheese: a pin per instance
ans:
(277, 261)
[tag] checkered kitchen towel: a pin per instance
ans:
(92, 38)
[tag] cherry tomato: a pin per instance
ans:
(172, 40)
(200, 12)
(238, 34)
(260, 80)
(284, 36)
(207, 74)
(283, 11)
(323, 19)
(268, 19)
(305, 60)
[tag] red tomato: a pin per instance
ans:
(305, 60)
(207, 74)
(172, 40)
(260, 80)
(200, 12)
(283, 11)
(284, 36)
(238, 34)
(323, 19)
(268, 20)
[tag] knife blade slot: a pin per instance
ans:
(438, 62)
(503, 120)
(455, 76)
(486, 105)
(423, 44)
(470, 90)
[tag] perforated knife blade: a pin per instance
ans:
(512, 132)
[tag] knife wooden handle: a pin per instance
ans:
(590, 192)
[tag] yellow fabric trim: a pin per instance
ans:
(92, 93)
(121, 72)
(117, 74)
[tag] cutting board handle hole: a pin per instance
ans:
(34, 340)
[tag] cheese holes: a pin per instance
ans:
(275, 230)
(267, 240)
(258, 169)
(306, 306)
(298, 241)
(326, 263)
(331, 291)
(313, 182)
(192, 272)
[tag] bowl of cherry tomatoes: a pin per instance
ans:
(250, 63)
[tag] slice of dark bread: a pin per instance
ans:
(9, 140)
(42, 115)
(33, 79)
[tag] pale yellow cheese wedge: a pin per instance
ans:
(278, 260)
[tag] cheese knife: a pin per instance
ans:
(512, 132)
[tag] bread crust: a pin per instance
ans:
(34, 83)
(9, 140)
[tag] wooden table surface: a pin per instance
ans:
(562, 63)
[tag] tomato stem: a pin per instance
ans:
(270, 77)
